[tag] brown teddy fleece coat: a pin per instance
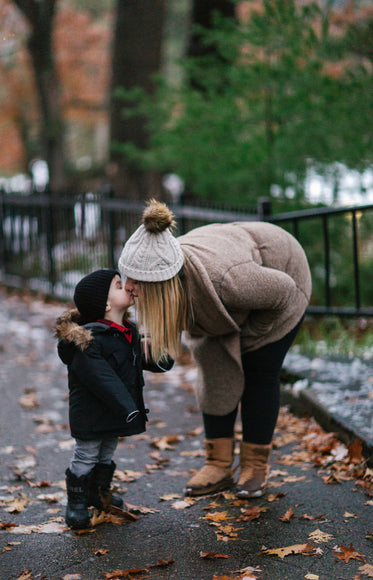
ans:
(250, 284)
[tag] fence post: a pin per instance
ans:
(2, 234)
(108, 192)
(264, 209)
(49, 234)
(355, 247)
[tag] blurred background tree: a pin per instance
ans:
(40, 15)
(251, 99)
(55, 68)
(280, 92)
(136, 57)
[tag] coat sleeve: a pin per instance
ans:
(262, 294)
(162, 366)
(249, 286)
(149, 364)
(96, 374)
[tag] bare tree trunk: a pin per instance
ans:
(137, 55)
(40, 15)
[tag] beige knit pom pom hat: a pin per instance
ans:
(152, 253)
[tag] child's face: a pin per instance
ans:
(118, 297)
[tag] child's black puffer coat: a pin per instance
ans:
(105, 378)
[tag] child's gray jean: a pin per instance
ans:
(88, 453)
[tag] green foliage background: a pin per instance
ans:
(271, 98)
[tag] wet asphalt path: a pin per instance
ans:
(168, 538)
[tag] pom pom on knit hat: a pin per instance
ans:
(91, 294)
(152, 253)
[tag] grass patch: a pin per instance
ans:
(335, 336)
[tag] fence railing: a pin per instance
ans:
(48, 243)
(339, 246)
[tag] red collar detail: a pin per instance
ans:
(124, 329)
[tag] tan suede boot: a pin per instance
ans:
(216, 474)
(254, 463)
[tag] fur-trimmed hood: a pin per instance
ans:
(69, 328)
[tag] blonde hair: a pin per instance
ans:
(162, 315)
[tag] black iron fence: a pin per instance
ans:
(47, 244)
(339, 245)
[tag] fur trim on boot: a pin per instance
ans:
(77, 516)
(254, 463)
(100, 494)
(216, 474)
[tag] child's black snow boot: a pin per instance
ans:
(100, 495)
(77, 516)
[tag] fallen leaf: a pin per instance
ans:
(113, 515)
(348, 554)
(40, 484)
(121, 513)
(229, 495)
(248, 572)
(50, 497)
(31, 449)
(141, 509)
(124, 573)
(72, 577)
(196, 431)
(275, 496)
(217, 516)
(367, 570)
(349, 515)
(287, 515)
(332, 478)
(7, 526)
(25, 575)
(303, 549)
(84, 531)
(208, 555)
(319, 536)
(355, 451)
(165, 441)
(227, 532)
(128, 476)
(162, 563)
(317, 518)
(100, 552)
(252, 513)
(136, 571)
(278, 473)
(312, 577)
(47, 528)
(169, 496)
(30, 400)
(213, 505)
(17, 505)
(13, 543)
(183, 504)
(158, 458)
(196, 453)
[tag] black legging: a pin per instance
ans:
(260, 402)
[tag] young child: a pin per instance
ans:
(103, 355)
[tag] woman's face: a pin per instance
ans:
(132, 286)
